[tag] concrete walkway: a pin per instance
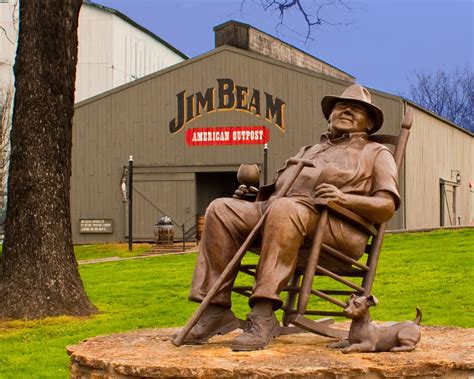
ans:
(115, 259)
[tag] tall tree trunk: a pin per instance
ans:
(39, 275)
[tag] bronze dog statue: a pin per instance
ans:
(365, 336)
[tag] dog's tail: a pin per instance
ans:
(419, 315)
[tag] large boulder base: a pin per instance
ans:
(442, 351)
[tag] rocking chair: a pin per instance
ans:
(300, 288)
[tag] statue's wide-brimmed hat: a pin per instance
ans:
(359, 94)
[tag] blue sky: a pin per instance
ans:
(381, 42)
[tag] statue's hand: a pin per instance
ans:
(329, 192)
(246, 192)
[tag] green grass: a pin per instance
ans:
(130, 294)
(433, 271)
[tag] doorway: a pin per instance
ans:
(212, 185)
(449, 203)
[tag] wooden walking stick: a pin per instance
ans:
(178, 341)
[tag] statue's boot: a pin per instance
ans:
(258, 331)
(215, 320)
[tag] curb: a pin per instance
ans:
(116, 259)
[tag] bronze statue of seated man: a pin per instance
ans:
(350, 170)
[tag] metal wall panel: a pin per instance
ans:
(134, 120)
(435, 151)
(95, 55)
(122, 54)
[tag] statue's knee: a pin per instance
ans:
(287, 216)
(282, 207)
(216, 207)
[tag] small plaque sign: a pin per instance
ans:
(96, 226)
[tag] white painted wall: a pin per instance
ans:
(8, 38)
(136, 54)
(95, 59)
(111, 52)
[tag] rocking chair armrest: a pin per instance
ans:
(348, 215)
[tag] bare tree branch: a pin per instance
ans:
(6, 35)
(448, 94)
(312, 13)
(14, 19)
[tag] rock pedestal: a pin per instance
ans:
(442, 351)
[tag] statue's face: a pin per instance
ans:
(349, 117)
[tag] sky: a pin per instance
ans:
(380, 42)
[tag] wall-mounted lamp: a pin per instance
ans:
(123, 185)
(456, 176)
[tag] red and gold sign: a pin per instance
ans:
(235, 135)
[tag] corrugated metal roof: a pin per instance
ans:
(135, 25)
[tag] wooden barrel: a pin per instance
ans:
(164, 235)
(199, 227)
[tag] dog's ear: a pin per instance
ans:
(352, 297)
(372, 300)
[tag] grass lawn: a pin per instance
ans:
(433, 271)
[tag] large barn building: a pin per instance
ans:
(113, 50)
(190, 126)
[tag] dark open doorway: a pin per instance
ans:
(212, 185)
